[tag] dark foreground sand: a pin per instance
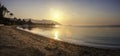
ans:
(14, 42)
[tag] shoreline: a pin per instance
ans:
(17, 42)
(86, 44)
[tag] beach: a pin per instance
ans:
(15, 42)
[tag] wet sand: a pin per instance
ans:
(14, 42)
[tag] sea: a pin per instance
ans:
(101, 37)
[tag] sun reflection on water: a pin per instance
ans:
(57, 26)
(56, 35)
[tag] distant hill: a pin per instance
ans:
(44, 22)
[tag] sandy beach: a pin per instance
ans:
(14, 42)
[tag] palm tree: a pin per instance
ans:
(11, 14)
(29, 21)
(3, 11)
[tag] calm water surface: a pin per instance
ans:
(90, 36)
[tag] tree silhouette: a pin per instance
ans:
(3, 10)
(11, 21)
(29, 21)
(11, 14)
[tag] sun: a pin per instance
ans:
(56, 15)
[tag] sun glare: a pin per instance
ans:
(56, 15)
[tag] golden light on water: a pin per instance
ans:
(57, 26)
(56, 35)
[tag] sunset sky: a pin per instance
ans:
(75, 12)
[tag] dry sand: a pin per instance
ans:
(14, 42)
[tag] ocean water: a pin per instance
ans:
(103, 37)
